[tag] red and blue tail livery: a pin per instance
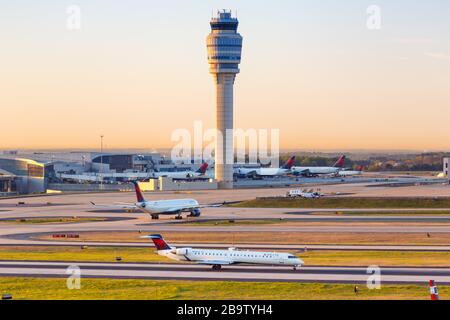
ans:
(340, 162)
(202, 168)
(289, 163)
(139, 196)
(159, 242)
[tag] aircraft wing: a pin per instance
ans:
(215, 205)
(246, 172)
(175, 210)
(116, 205)
(220, 262)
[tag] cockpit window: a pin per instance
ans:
(292, 257)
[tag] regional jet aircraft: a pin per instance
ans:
(218, 258)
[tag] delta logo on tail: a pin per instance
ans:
(340, 162)
(202, 169)
(289, 163)
(139, 196)
(159, 242)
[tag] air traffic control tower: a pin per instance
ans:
(224, 45)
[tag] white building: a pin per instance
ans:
(445, 170)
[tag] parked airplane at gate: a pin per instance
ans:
(218, 258)
(164, 207)
(315, 171)
(346, 173)
(266, 172)
(185, 175)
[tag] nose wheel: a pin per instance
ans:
(294, 268)
(216, 267)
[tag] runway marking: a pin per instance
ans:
(239, 273)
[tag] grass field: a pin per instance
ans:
(346, 202)
(52, 288)
(53, 220)
(380, 258)
(303, 238)
(391, 213)
(100, 254)
(331, 258)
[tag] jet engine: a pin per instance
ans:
(182, 251)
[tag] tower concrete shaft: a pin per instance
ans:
(224, 55)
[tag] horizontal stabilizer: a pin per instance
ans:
(116, 205)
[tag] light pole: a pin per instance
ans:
(101, 162)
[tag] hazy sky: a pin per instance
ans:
(137, 70)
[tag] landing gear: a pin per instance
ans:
(216, 267)
(178, 217)
(294, 268)
(155, 217)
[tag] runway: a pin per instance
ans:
(235, 273)
(77, 205)
(243, 246)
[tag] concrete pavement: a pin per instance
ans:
(236, 273)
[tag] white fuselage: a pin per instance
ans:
(346, 173)
(168, 206)
(231, 256)
(262, 171)
(180, 175)
(315, 170)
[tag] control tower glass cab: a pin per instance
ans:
(224, 46)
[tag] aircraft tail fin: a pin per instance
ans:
(202, 168)
(340, 162)
(289, 163)
(137, 189)
(159, 242)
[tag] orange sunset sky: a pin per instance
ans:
(137, 70)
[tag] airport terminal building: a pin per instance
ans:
(35, 172)
(21, 176)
